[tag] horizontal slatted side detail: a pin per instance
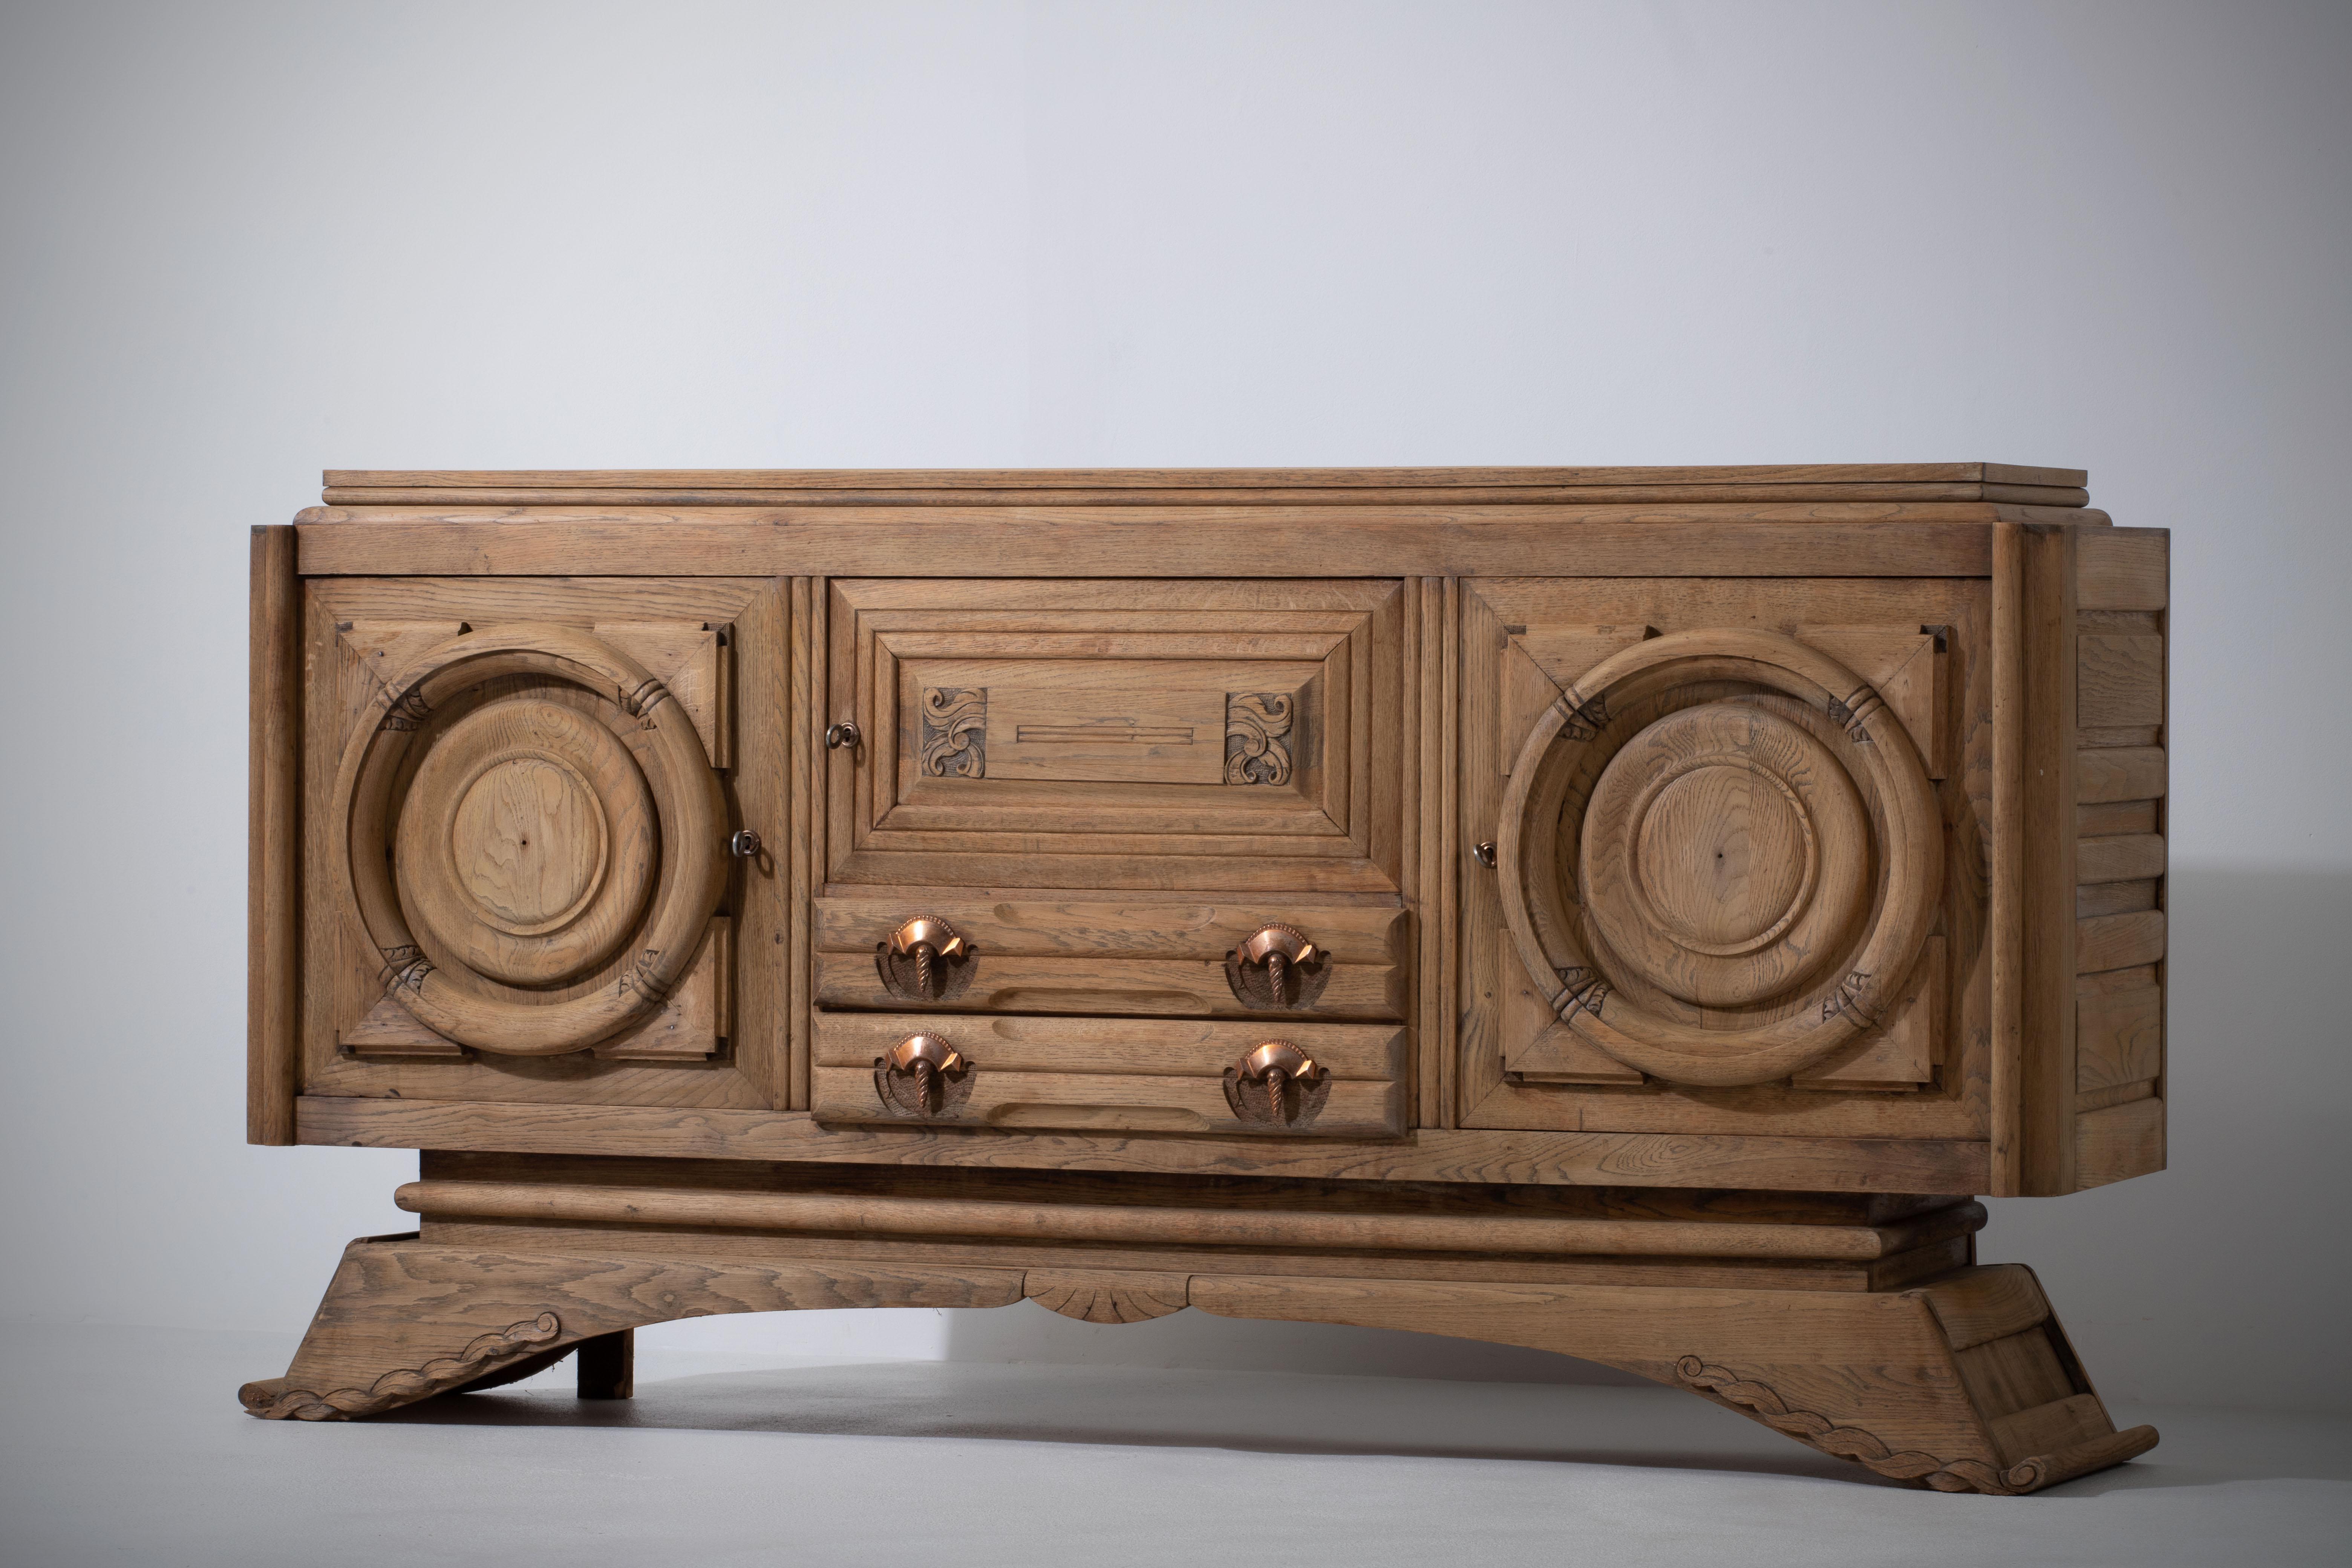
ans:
(2122, 595)
(2118, 1141)
(2132, 773)
(2121, 680)
(2118, 942)
(2115, 898)
(2123, 569)
(2121, 857)
(2119, 1037)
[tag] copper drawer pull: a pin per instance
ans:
(918, 1069)
(1276, 967)
(1277, 1066)
(925, 960)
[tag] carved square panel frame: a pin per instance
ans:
(1112, 735)
(720, 1039)
(1924, 647)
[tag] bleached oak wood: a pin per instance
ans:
(273, 900)
(1110, 726)
(1878, 1378)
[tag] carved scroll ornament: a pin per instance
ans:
(1258, 737)
(1766, 1405)
(955, 732)
(406, 1385)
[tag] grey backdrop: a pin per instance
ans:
(244, 242)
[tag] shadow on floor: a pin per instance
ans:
(1142, 1408)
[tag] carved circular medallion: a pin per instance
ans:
(1720, 857)
(1723, 855)
(527, 841)
(524, 808)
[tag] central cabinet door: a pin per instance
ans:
(1114, 856)
(1116, 734)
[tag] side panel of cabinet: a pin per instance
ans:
(521, 805)
(2080, 862)
(1672, 792)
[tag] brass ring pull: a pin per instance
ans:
(925, 960)
(927, 1059)
(1277, 1066)
(1276, 967)
(845, 733)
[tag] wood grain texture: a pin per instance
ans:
(2118, 942)
(1267, 482)
(1875, 1377)
(2118, 1141)
(2034, 875)
(1517, 1067)
(1891, 539)
(354, 629)
(1155, 1224)
(2124, 569)
(1811, 1163)
(2118, 1038)
(1138, 927)
(273, 859)
(404, 1321)
(1106, 770)
(1105, 1295)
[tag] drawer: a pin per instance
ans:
(1089, 734)
(1105, 955)
(1123, 1075)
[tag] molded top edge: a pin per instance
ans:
(347, 484)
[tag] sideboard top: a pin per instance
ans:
(1230, 486)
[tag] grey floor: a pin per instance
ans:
(127, 1447)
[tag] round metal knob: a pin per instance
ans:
(845, 733)
(744, 845)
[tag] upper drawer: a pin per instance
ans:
(1118, 734)
(1137, 955)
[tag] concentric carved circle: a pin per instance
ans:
(1720, 857)
(1723, 855)
(531, 838)
(528, 842)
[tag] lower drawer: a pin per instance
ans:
(1133, 1075)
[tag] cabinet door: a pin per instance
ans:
(1102, 734)
(518, 801)
(1737, 880)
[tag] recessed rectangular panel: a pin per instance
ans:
(1107, 734)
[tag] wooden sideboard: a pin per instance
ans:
(1632, 912)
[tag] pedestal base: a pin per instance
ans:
(1959, 1379)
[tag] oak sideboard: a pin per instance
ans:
(1629, 913)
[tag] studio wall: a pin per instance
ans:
(244, 242)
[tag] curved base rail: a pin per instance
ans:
(1964, 1383)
